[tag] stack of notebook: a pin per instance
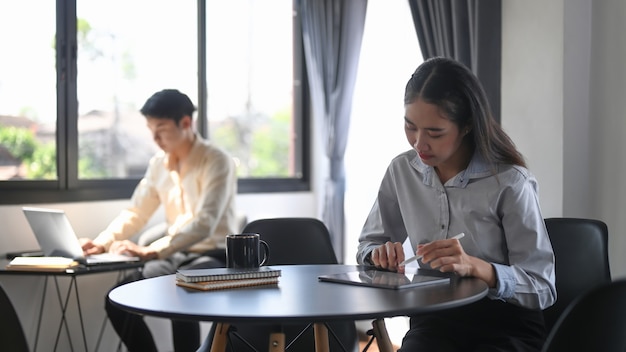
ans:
(224, 278)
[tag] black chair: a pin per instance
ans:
(582, 261)
(12, 335)
(595, 321)
(291, 241)
(295, 240)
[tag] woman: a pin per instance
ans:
(464, 174)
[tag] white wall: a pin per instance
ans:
(564, 101)
(532, 95)
(607, 125)
(576, 95)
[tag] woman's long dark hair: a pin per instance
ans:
(456, 90)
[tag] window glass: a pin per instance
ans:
(78, 135)
(250, 84)
(128, 50)
(27, 91)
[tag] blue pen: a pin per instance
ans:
(412, 259)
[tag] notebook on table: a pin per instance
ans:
(226, 274)
(57, 238)
(386, 279)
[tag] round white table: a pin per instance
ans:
(299, 297)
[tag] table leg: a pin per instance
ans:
(102, 327)
(73, 286)
(43, 300)
(220, 337)
(277, 342)
(321, 337)
(63, 305)
(121, 274)
(382, 336)
(80, 311)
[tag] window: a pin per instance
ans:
(120, 64)
(27, 92)
(70, 127)
(251, 87)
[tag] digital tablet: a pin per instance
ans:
(386, 279)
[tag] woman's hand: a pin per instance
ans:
(389, 256)
(448, 256)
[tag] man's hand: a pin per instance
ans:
(131, 248)
(89, 247)
(389, 256)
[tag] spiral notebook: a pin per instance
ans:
(222, 274)
(387, 279)
(227, 284)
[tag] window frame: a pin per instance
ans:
(68, 188)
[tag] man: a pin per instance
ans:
(196, 183)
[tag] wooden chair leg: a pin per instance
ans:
(220, 338)
(382, 336)
(277, 342)
(321, 337)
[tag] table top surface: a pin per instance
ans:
(299, 297)
(73, 271)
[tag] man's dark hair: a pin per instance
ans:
(168, 104)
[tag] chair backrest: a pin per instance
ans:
(295, 240)
(582, 261)
(12, 335)
(595, 321)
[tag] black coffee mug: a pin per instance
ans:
(244, 251)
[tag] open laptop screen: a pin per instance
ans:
(56, 237)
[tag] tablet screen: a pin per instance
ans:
(385, 279)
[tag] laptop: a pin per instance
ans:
(56, 238)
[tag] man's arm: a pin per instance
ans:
(130, 221)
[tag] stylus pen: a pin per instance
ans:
(412, 259)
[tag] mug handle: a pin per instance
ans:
(266, 252)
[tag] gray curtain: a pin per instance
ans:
(469, 31)
(332, 31)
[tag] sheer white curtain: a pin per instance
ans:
(389, 54)
(376, 129)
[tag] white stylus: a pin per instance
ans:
(412, 259)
